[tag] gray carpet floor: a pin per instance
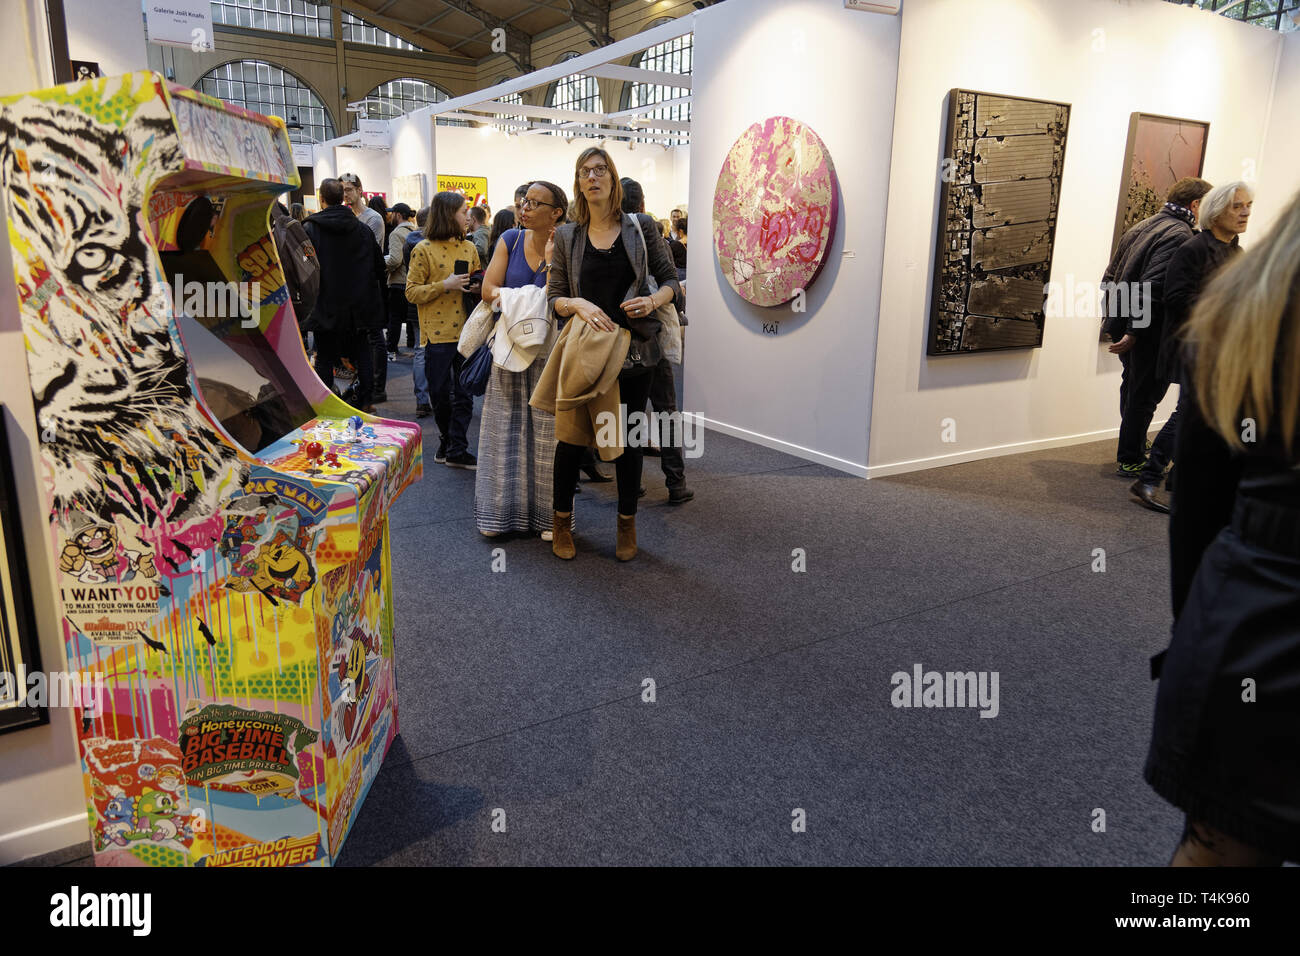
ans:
(521, 692)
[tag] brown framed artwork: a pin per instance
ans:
(1160, 151)
(1001, 173)
(19, 651)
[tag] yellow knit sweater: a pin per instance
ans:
(442, 314)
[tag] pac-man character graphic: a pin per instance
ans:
(280, 569)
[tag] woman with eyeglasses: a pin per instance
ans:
(598, 276)
(516, 444)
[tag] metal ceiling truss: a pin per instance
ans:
(518, 43)
(592, 16)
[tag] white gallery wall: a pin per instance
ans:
(806, 389)
(372, 166)
(1107, 58)
(1279, 170)
(107, 32)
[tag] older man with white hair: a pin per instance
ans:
(1223, 215)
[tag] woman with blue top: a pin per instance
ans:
(516, 463)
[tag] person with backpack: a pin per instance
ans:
(299, 262)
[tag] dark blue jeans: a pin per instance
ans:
(452, 406)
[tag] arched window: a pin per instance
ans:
(278, 16)
(396, 97)
(356, 30)
(577, 92)
(671, 56)
(266, 88)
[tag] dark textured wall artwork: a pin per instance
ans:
(997, 221)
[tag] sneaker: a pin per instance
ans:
(679, 496)
(392, 356)
(440, 456)
(548, 535)
(490, 534)
(463, 460)
(423, 411)
(1126, 469)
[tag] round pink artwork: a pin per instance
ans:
(774, 210)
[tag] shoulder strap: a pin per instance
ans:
(649, 277)
(636, 218)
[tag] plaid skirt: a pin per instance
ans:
(516, 456)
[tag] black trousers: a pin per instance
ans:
(663, 399)
(378, 360)
(634, 392)
(333, 346)
(1142, 388)
(399, 311)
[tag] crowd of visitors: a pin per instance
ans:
(592, 272)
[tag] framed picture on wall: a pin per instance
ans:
(19, 651)
(1161, 150)
(1003, 161)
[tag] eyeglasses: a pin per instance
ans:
(593, 172)
(349, 179)
(534, 203)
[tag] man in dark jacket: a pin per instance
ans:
(352, 269)
(1223, 215)
(1137, 270)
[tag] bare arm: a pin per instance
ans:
(496, 272)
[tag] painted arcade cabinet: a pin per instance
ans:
(220, 518)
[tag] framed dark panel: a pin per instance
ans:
(19, 649)
(997, 221)
(1160, 151)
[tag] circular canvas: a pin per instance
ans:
(774, 210)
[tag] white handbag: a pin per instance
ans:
(670, 326)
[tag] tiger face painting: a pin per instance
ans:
(123, 435)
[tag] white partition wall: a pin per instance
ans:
(1106, 59)
(806, 389)
(372, 166)
(1279, 170)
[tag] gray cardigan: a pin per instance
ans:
(566, 272)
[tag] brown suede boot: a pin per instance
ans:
(562, 536)
(625, 550)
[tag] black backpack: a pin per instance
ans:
(301, 266)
